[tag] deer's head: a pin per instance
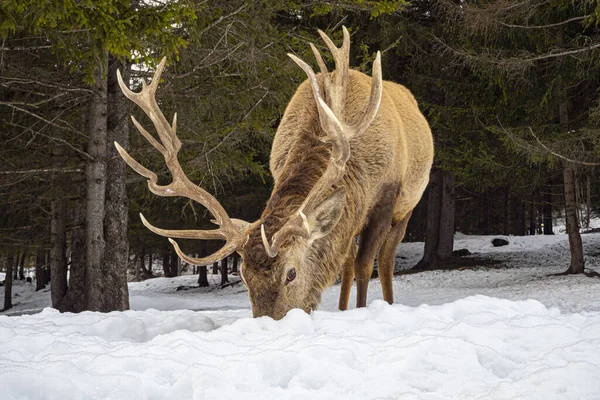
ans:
(281, 254)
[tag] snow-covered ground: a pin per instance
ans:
(502, 332)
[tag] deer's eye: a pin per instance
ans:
(291, 275)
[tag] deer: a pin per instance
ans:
(350, 159)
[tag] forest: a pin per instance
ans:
(510, 90)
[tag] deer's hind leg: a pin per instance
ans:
(387, 256)
(371, 240)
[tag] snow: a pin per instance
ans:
(502, 332)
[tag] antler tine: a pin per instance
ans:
(146, 100)
(232, 231)
(291, 227)
(183, 233)
(311, 76)
(374, 98)
(327, 117)
(336, 92)
(219, 255)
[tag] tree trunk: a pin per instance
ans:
(8, 280)
(139, 268)
(15, 273)
(116, 293)
(575, 244)
(22, 266)
(202, 269)
(224, 271)
(518, 216)
(40, 261)
(202, 276)
(507, 213)
(58, 250)
(439, 241)
(167, 264)
(434, 211)
(547, 209)
(588, 202)
(96, 191)
(215, 268)
(75, 301)
(446, 237)
(147, 272)
(175, 266)
(236, 260)
(532, 216)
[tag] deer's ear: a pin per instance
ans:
(326, 215)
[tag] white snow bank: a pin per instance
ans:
(477, 347)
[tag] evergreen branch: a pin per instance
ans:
(47, 121)
(44, 171)
(21, 48)
(543, 26)
(221, 18)
(45, 84)
(508, 63)
(77, 150)
(560, 155)
(34, 105)
(561, 53)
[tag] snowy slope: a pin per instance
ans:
(474, 348)
(482, 333)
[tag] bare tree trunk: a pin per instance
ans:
(22, 266)
(224, 271)
(434, 211)
(507, 214)
(518, 216)
(40, 261)
(532, 216)
(147, 272)
(446, 237)
(75, 301)
(575, 244)
(215, 268)
(139, 268)
(96, 191)
(136, 268)
(15, 274)
(588, 202)
(116, 293)
(202, 269)
(167, 264)
(202, 276)
(58, 250)
(578, 198)
(8, 280)
(47, 270)
(236, 260)
(547, 208)
(439, 241)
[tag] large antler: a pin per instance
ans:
(330, 105)
(230, 230)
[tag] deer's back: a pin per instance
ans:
(396, 148)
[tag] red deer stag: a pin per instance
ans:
(350, 158)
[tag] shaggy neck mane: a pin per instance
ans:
(306, 163)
